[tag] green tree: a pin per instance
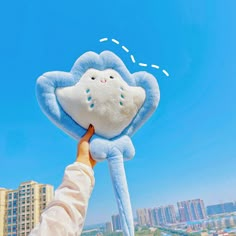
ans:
(157, 233)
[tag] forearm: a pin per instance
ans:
(66, 213)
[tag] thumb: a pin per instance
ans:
(89, 133)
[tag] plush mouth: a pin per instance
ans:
(103, 81)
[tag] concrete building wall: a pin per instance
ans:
(143, 216)
(3, 193)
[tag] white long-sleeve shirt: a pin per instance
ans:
(65, 214)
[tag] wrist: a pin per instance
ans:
(85, 160)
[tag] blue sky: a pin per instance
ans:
(186, 150)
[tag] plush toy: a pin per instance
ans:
(99, 90)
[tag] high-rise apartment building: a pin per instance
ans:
(163, 215)
(108, 227)
(20, 209)
(170, 214)
(143, 216)
(153, 216)
(2, 209)
(191, 210)
(222, 208)
(116, 223)
(160, 215)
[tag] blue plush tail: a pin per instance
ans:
(117, 171)
(115, 151)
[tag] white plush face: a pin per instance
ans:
(102, 98)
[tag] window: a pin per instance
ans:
(44, 189)
(9, 196)
(15, 195)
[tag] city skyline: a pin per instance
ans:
(220, 207)
(187, 148)
(145, 216)
(156, 216)
(166, 217)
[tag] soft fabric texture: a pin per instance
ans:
(103, 99)
(66, 213)
(100, 90)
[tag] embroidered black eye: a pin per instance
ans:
(93, 78)
(111, 77)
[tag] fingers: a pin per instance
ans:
(89, 133)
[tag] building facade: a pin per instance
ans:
(108, 227)
(3, 193)
(222, 208)
(143, 216)
(20, 209)
(163, 215)
(116, 223)
(170, 214)
(191, 210)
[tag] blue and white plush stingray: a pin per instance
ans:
(99, 90)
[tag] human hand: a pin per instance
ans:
(83, 153)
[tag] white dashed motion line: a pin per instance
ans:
(155, 66)
(165, 72)
(125, 48)
(132, 56)
(142, 64)
(115, 41)
(103, 39)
